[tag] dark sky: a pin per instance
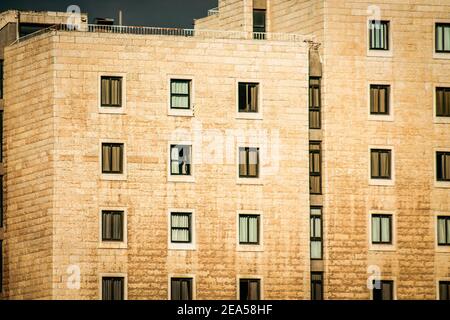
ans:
(158, 13)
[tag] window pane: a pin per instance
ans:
(254, 290)
(384, 164)
(385, 229)
(440, 101)
(447, 38)
(375, 164)
(439, 38)
(180, 87)
(316, 249)
(242, 162)
(106, 165)
(446, 105)
(243, 230)
(376, 232)
(253, 229)
(441, 230)
(253, 162)
(386, 290)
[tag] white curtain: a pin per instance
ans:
(116, 159)
(376, 232)
(174, 160)
(243, 229)
(385, 229)
(447, 38)
(253, 229)
(180, 97)
(242, 162)
(253, 162)
(180, 221)
(316, 249)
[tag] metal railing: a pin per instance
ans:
(213, 11)
(175, 32)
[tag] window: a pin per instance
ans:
(1, 266)
(1, 135)
(248, 97)
(378, 35)
(379, 99)
(380, 163)
(443, 166)
(249, 289)
(112, 158)
(249, 229)
(315, 179)
(442, 37)
(259, 24)
(1, 79)
(444, 290)
(443, 231)
(181, 227)
(180, 94)
(111, 91)
(316, 286)
(112, 225)
(181, 289)
(381, 229)
(248, 162)
(383, 290)
(180, 160)
(316, 233)
(113, 288)
(314, 103)
(1, 201)
(443, 102)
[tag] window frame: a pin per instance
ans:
(259, 31)
(242, 115)
(314, 173)
(379, 150)
(189, 280)
(113, 244)
(438, 178)
(391, 282)
(443, 283)
(311, 100)
(122, 222)
(313, 238)
(2, 70)
(124, 276)
(382, 215)
(447, 226)
(248, 85)
(445, 89)
(313, 284)
(188, 161)
(247, 162)
(189, 82)
(248, 280)
(189, 228)
(386, 41)
(122, 158)
(387, 87)
(436, 39)
(258, 230)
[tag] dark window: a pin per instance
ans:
(315, 176)
(316, 233)
(443, 166)
(180, 94)
(248, 162)
(259, 24)
(316, 286)
(379, 99)
(383, 290)
(181, 289)
(1, 266)
(248, 229)
(442, 37)
(379, 35)
(111, 91)
(248, 97)
(1, 135)
(1, 201)
(381, 228)
(112, 157)
(443, 231)
(180, 224)
(380, 164)
(443, 102)
(112, 225)
(113, 288)
(1, 79)
(314, 103)
(249, 289)
(444, 290)
(180, 160)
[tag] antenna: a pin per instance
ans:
(120, 17)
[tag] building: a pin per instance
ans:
(280, 150)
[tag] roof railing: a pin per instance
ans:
(176, 32)
(213, 11)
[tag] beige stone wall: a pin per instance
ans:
(79, 192)
(28, 149)
(412, 72)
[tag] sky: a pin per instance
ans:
(157, 13)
